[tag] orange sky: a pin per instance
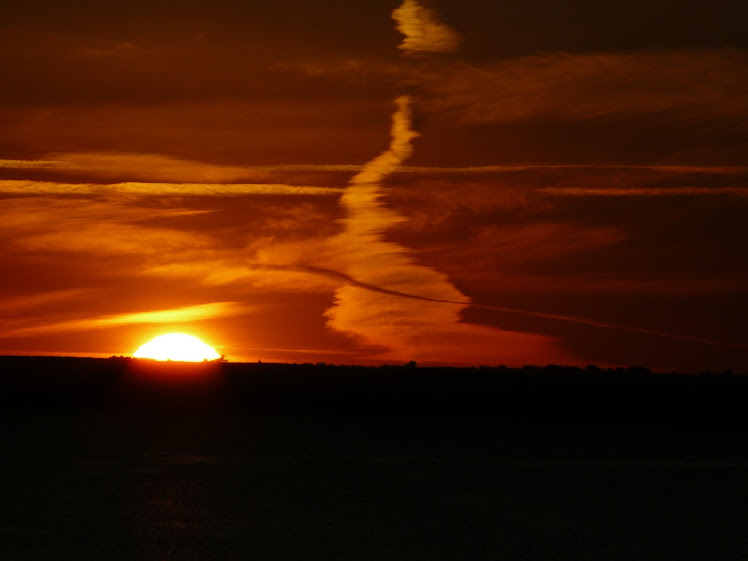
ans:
(357, 182)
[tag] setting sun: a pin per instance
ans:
(178, 347)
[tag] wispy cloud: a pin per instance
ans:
(31, 164)
(645, 192)
(93, 227)
(692, 85)
(167, 169)
(400, 148)
(25, 303)
(251, 274)
(448, 196)
(158, 168)
(467, 170)
(423, 31)
(395, 307)
(27, 187)
(111, 49)
(536, 242)
(189, 314)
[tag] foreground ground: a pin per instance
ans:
(100, 462)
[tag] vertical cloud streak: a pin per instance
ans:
(398, 328)
(423, 31)
(425, 326)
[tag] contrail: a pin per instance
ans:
(609, 325)
(506, 309)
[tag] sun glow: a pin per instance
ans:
(177, 347)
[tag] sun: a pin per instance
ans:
(178, 347)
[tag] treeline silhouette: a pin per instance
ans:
(550, 394)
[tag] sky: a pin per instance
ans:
(358, 182)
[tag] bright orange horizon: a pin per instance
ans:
(344, 183)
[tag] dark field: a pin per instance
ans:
(104, 461)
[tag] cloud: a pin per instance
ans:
(103, 228)
(472, 170)
(25, 303)
(112, 50)
(400, 148)
(423, 31)
(159, 168)
(263, 129)
(397, 328)
(692, 85)
(217, 245)
(477, 331)
(395, 308)
(188, 314)
(535, 233)
(139, 167)
(507, 247)
(251, 274)
(31, 164)
(645, 192)
(28, 187)
(162, 169)
(457, 197)
(562, 285)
